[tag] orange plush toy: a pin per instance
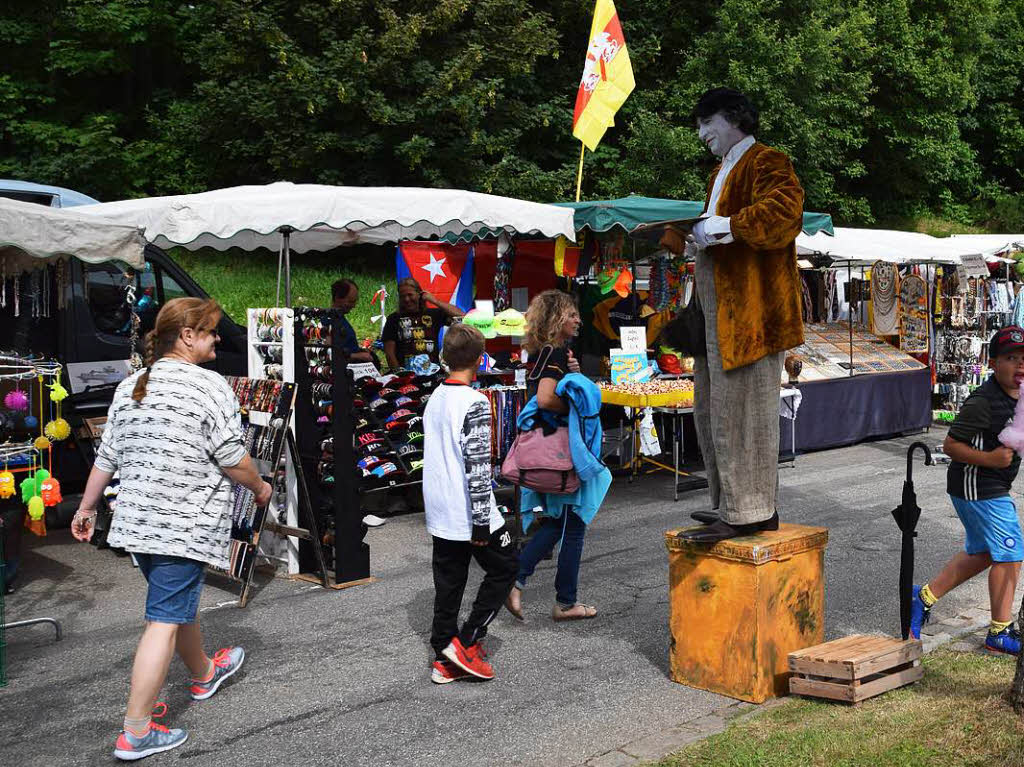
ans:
(49, 491)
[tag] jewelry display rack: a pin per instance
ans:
(267, 410)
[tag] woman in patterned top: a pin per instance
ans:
(174, 435)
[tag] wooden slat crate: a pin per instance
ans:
(855, 668)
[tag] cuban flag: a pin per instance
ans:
(444, 270)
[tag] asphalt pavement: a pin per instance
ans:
(341, 677)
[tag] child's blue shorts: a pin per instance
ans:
(992, 526)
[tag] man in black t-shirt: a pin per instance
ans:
(978, 482)
(414, 328)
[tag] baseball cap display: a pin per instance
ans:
(386, 470)
(369, 462)
(482, 321)
(1006, 340)
(410, 451)
(369, 437)
(409, 390)
(415, 423)
(413, 437)
(510, 323)
(373, 448)
(421, 365)
(396, 425)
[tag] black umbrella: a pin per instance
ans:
(906, 516)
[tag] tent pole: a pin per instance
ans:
(286, 241)
(849, 306)
(280, 255)
(636, 303)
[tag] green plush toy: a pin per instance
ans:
(32, 485)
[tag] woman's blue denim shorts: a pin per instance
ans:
(174, 587)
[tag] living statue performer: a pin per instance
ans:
(749, 289)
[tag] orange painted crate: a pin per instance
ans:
(739, 607)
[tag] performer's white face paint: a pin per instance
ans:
(718, 134)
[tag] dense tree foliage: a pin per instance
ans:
(888, 107)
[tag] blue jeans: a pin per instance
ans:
(570, 529)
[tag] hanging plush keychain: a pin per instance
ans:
(31, 422)
(31, 494)
(41, 442)
(16, 400)
(49, 491)
(58, 429)
(6, 483)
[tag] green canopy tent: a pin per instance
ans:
(630, 212)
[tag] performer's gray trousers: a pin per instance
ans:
(736, 414)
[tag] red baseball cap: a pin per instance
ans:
(1006, 340)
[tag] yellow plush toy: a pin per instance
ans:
(6, 484)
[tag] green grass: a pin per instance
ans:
(239, 280)
(957, 715)
(933, 225)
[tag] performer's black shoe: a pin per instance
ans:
(705, 517)
(721, 531)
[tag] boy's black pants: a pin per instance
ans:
(500, 562)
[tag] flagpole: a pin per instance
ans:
(579, 174)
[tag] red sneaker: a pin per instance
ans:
(472, 659)
(444, 671)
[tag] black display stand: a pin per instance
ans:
(349, 555)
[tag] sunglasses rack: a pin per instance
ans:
(271, 355)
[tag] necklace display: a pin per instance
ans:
(884, 298)
(913, 315)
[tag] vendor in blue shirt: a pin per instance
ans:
(344, 296)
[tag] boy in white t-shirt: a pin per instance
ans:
(460, 512)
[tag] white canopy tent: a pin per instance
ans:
(30, 232)
(311, 217)
(994, 243)
(869, 245)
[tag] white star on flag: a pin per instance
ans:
(435, 267)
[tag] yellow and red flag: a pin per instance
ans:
(607, 77)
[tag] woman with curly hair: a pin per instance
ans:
(552, 320)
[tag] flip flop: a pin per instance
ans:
(558, 613)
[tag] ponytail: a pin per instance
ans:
(178, 313)
(149, 353)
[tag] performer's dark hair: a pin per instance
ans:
(736, 108)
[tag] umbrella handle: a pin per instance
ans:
(928, 461)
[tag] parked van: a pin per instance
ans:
(91, 334)
(95, 324)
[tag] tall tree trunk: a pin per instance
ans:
(1017, 691)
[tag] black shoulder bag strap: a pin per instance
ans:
(542, 361)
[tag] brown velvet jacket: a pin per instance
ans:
(756, 276)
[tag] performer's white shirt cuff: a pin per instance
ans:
(717, 230)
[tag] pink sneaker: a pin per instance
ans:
(226, 662)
